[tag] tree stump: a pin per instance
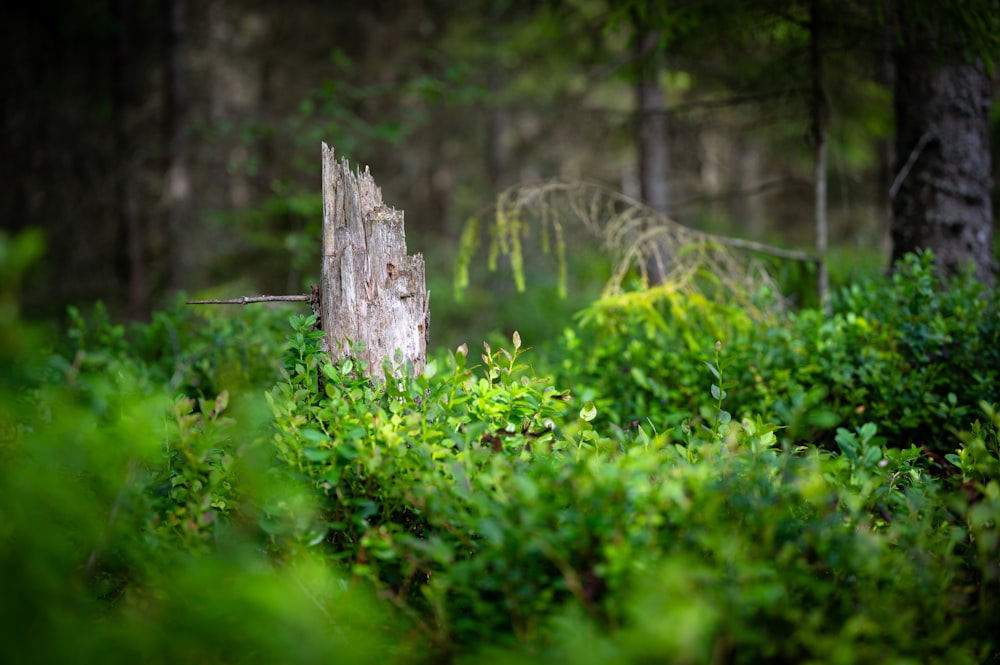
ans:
(371, 291)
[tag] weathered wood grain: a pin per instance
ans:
(372, 291)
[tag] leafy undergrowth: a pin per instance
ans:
(903, 352)
(194, 491)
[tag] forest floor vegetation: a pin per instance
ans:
(671, 480)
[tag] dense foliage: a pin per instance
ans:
(673, 482)
(903, 352)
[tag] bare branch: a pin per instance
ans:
(635, 236)
(246, 300)
(741, 243)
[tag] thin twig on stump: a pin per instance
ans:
(246, 300)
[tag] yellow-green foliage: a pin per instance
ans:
(669, 308)
(640, 242)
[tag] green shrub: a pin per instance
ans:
(197, 351)
(489, 511)
(645, 516)
(128, 516)
(906, 352)
(122, 542)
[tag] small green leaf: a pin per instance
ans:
(329, 371)
(867, 431)
(872, 456)
(331, 475)
(221, 402)
(313, 435)
(588, 412)
(848, 443)
(316, 454)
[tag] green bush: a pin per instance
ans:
(913, 355)
(489, 512)
(128, 515)
(129, 535)
(197, 351)
(157, 505)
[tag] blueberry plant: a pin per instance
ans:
(671, 482)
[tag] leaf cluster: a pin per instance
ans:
(479, 511)
(490, 518)
(907, 352)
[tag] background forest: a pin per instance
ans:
(174, 145)
(714, 367)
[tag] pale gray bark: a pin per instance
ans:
(819, 112)
(819, 215)
(371, 290)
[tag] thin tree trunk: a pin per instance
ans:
(652, 135)
(178, 183)
(371, 291)
(819, 135)
(822, 231)
(654, 160)
(497, 151)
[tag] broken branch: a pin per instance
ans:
(245, 300)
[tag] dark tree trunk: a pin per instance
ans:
(654, 161)
(942, 192)
(885, 76)
(652, 135)
(497, 151)
(131, 259)
(178, 181)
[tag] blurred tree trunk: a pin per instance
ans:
(942, 192)
(885, 76)
(178, 181)
(652, 132)
(497, 152)
(819, 135)
(131, 260)
(654, 161)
